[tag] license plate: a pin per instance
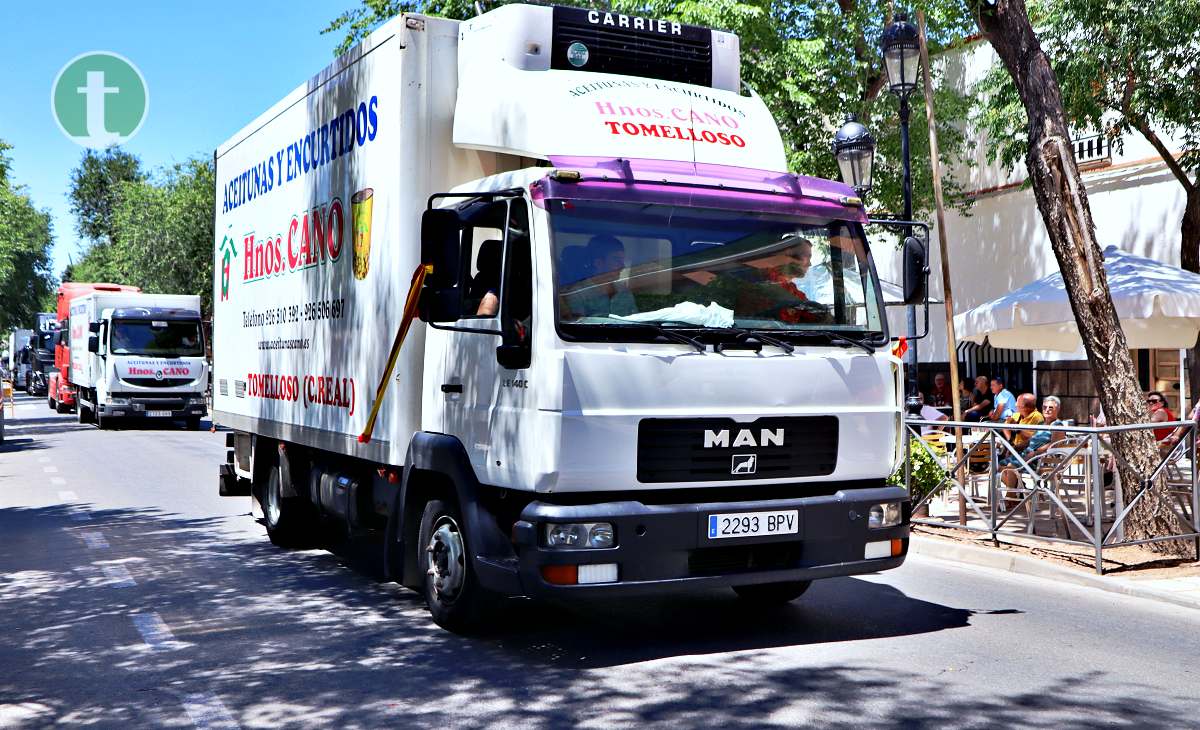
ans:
(753, 524)
(165, 414)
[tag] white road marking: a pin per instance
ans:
(68, 496)
(154, 630)
(208, 711)
(95, 540)
(50, 469)
(58, 481)
(118, 576)
(43, 460)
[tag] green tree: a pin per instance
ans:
(161, 234)
(25, 243)
(811, 61)
(94, 188)
(1124, 66)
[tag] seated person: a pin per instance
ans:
(928, 413)
(1039, 443)
(981, 400)
(1026, 415)
(485, 286)
(604, 292)
(1005, 404)
(940, 396)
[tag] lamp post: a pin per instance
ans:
(902, 64)
(854, 149)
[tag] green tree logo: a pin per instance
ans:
(99, 99)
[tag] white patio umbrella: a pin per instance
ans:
(1158, 304)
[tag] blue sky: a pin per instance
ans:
(211, 68)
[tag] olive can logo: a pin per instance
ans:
(99, 99)
(361, 204)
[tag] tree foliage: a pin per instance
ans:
(1124, 66)
(25, 243)
(812, 61)
(160, 233)
(93, 192)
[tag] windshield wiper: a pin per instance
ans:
(762, 337)
(833, 335)
(657, 328)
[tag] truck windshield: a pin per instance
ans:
(170, 338)
(623, 264)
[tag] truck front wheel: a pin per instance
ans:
(289, 520)
(452, 592)
(773, 593)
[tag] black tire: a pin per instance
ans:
(60, 407)
(83, 414)
(463, 607)
(291, 521)
(773, 594)
(51, 404)
(192, 424)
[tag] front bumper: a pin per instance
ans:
(665, 547)
(175, 408)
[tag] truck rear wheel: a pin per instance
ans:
(83, 414)
(452, 592)
(773, 593)
(290, 521)
(50, 403)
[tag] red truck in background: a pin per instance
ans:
(60, 394)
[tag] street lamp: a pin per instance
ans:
(902, 64)
(854, 149)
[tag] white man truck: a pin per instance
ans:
(648, 357)
(138, 356)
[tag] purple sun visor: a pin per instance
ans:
(698, 185)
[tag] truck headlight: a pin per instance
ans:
(580, 535)
(883, 515)
(118, 401)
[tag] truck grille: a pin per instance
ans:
(686, 58)
(673, 449)
(743, 558)
(155, 383)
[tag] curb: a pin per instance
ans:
(1024, 565)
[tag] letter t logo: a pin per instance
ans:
(94, 93)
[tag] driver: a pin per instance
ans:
(604, 292)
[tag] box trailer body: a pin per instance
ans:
(136, 355)
(18, 357)
(61, 393)
(517, 429)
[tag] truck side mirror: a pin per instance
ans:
(916, 271)
(93, 327)
(441, 245)
(94, 343)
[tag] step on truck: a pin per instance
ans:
(647, 356)
(137, 356)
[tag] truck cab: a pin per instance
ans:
(143, 362)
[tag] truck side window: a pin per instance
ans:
(518, 277)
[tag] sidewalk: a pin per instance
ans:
(1179, 586)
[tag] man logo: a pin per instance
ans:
(99, 99)
(744, 464)
(745, 437)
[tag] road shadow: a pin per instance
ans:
(15, 441)
(313, 638)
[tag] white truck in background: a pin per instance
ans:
(649, 357)
(19, 357)
(138, 356)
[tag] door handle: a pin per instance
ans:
(451, 387)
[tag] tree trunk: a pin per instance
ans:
(1189, 244)
(1062, 201)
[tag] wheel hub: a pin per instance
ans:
(273, 507)
(446, 564)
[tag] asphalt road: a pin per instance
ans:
(132, 595)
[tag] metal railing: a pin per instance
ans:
(1066, 485)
